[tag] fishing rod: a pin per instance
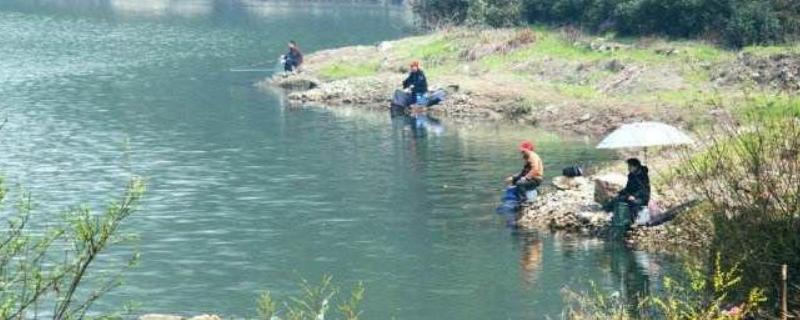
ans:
(253, 68)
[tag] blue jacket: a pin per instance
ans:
(294, 55)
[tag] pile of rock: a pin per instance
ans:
(778, 71)
(569, 207)
(366, 91)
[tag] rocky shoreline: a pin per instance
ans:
(473, 94)
(501, 75)
(370, 93)
(575, 206)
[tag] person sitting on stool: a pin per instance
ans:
(532, 173)
(417, 84)
(636, 193)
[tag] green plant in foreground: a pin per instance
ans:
(46, 268)
(700, 295)
(312, 304)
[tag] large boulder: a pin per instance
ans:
(607, 186)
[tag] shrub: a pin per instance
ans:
(697, 294)
(313, 303)
(495, 13)
(45, 269)
(753, 23)
(749, 175)
(437, 13)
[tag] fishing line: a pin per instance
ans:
(253, 68)
(248, 69)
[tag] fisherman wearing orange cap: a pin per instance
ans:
(532, 173)
(417, 84)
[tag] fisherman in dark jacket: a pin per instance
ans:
(417, 83)
(293, 58)
(636, 193)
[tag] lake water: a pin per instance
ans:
(246, 194)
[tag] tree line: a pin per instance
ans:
(734, 23)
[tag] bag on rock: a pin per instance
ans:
(572, 171)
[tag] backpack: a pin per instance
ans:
(572, 171)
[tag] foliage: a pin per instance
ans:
(702, 295)
(595, 304)
(313, 303)
(749, 176)
(437, 13)
(495, 13)
(734, 22)
(46, 268)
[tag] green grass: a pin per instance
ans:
(551, 44)
(695, 52)
(341, 70)
(772, 50)
(766, 106)
(681, 98)
(434, 47)
(578, 91)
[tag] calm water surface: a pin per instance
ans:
(246, 194)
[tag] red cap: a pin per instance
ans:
(527, 146)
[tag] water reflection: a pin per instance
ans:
(530, 257)
(418, 123)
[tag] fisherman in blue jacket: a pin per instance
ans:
(417, 84)
(293, 58)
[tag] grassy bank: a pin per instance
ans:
(564, 80)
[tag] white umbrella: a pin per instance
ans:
(643, 135)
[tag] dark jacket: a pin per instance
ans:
(295, 56)
(418, 80)
(638, 185)
(522, 173)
